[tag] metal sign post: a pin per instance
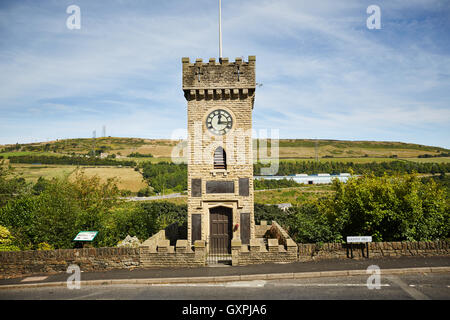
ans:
(359, 239)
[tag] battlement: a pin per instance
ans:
(219, 74)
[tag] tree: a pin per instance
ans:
(65, 207)
(11, 185)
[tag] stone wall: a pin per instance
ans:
(257, 252)
(20, 263)
(277, 232)
(307, 252)
(17, 263)
(155, 239)
(261, 229)
(280, 248)
(181, 255)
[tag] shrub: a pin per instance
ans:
(7, 240)
(390, 208)
(310, 225)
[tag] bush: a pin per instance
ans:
(145, 192)
(60, 211)
(45, 246)
(141, 220)
(390, 208)
(310, 225)
(7, 240)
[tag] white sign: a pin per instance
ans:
(359, 239)
(85, 236)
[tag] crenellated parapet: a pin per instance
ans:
(219, 79)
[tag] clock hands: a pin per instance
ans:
(220, 122)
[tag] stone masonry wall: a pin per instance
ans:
(261, 229)
(180, 255)
(279, 249)
(17, 263)
(277, 232)
(307, 252)
(256, 253)
(21, 263)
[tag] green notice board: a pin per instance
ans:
(85, 236)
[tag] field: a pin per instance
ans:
(128, 179)
(294, 195)
(353, 159)
(32, 173)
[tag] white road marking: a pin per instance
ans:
(414, 293)
(234, 284)
(246, 284)
(325, 285)
(28, 279)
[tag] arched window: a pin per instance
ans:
(220, 158)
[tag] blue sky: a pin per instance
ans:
(324, 74)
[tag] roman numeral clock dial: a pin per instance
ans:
(219, 122)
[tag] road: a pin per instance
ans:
(159, 197)
(392, 287)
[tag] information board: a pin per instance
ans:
(85, 236)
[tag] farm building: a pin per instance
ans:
(321, 178)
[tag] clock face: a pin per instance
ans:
(219, 122)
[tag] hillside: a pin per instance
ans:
(288, 148)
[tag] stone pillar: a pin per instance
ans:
(163, 245)
(181, 246)
(273, 245)
(200, 250)
(236, 245)
(292, 248)
(255, 245)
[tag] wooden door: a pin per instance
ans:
(220, 230)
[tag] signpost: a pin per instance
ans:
(359, 239)
(85, 236)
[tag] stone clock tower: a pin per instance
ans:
(220, 97)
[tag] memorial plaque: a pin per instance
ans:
(243, 187)
(196, 187)
(219, 186)
(245, 227)
(196, 227)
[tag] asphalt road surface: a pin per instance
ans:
(392, 287)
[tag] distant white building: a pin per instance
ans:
(284, 206)
(321, 178)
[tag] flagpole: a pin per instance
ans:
(220, 30)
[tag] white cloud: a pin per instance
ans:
(317, 62)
